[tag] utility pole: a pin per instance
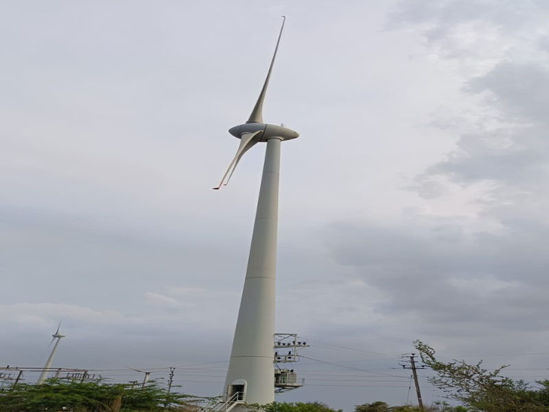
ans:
(17, 379)
(170, 381)
(145, 379)
(410, 363)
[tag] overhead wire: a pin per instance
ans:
(386, 355)
(409, 388)
(351, 367)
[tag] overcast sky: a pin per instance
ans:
(414, 205)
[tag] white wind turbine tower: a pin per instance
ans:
(47, 366)
(250, 377)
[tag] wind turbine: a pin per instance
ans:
(250, 377)
(47, 366)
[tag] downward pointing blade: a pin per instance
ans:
(248, 147)
(257, 112)
(246, 142)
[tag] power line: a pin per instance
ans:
(409, 388)
(353, 368)
(386, 355)
(358, 386)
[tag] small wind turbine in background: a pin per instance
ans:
(47, 366)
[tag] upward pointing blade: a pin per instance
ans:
(246, 142)
(257, 112)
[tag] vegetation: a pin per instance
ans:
(383, 407)
(367, 407)
(481, 389)
(57, 395)
(298, 407)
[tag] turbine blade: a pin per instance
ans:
(257, 112)
(246, 148)
(246, 141)
(58, 326)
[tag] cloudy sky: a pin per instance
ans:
(414, 205)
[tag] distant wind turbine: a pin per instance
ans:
(45, 371)
(250, 377)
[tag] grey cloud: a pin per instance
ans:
(428, 188)
(427, 268)
(103, 263)
(478, 159)
(513, 85)
(520, 90)
(544, 43)
(442, 15)
(513, 156)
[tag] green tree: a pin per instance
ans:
(55, 395)
(410, 408)
(482, 389)
(372, 407)
(298, 407)
(383, 407)
(443, 406)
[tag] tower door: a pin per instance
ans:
(239, 388)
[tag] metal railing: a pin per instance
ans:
(229, 404)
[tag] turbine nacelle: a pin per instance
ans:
(57, 335)
(267, 131)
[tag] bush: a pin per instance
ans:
(55, 395)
